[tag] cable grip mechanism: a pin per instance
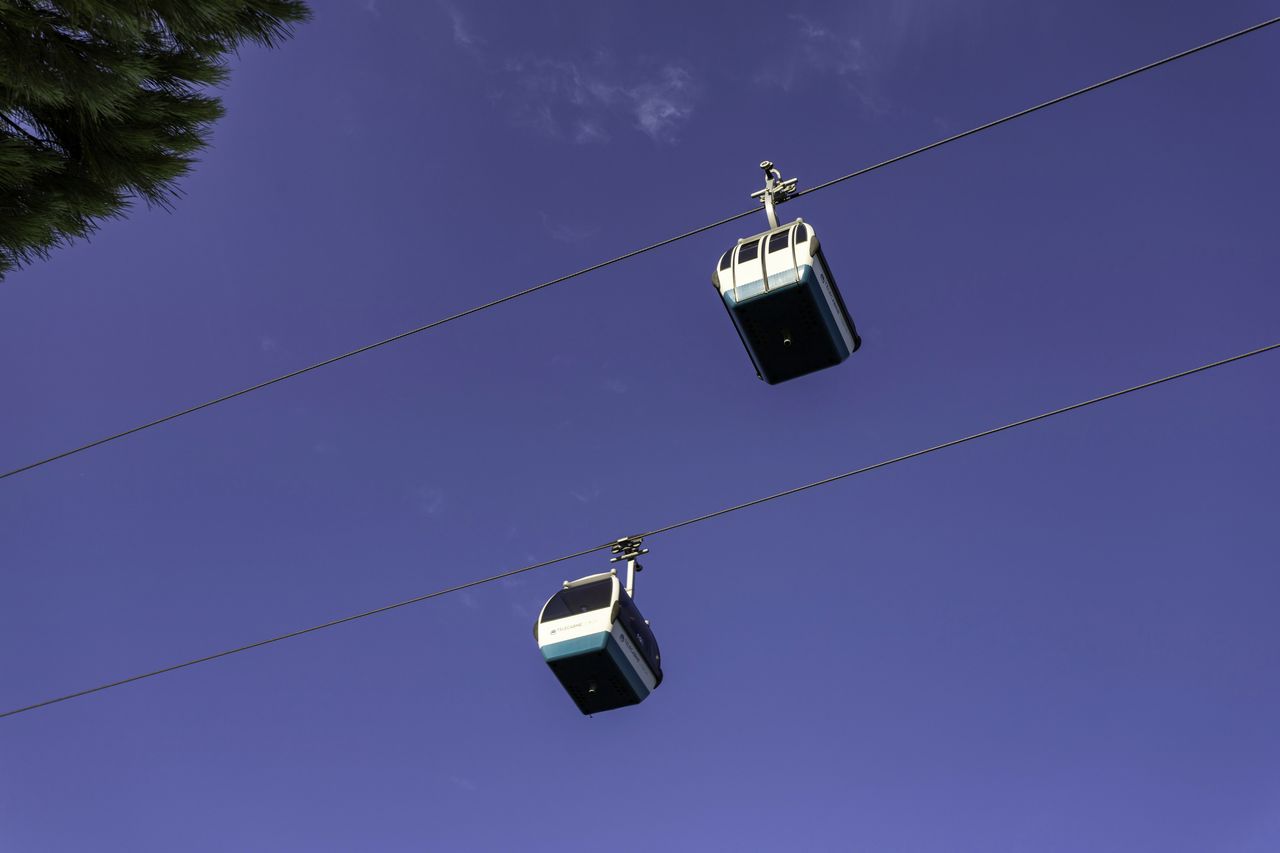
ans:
(775, 191)
(629, 548)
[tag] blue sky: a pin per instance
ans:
(1059, 639)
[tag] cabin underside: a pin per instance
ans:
(790, 330)
(595, 672)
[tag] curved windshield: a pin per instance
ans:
(579, 599)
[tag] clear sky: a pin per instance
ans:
(1059, 639)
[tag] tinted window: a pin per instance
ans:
(779, 240)
(641, 634)
(726, 260)
(802, 234)
(748, 251)
(579, 599)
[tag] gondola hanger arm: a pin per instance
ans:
(775, 191)
(629, 548)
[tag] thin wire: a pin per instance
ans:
(299, 633)
(1152, 383)
(651, 247)
(401, 336)
(1029, 110)
(656, 532)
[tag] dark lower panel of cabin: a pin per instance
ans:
(595, 682)
(790, 332)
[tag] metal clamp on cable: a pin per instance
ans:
(629, 548)
(775, 191)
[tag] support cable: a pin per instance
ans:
(655, 532)
(651, 247)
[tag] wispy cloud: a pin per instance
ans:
(819, 49)
(843, 54)
(429, 500)
(862, 49)
(587, 495)
(463, 36)
(567, 232)
(463, 783)
(661, 105)
(584, 102)
(587, 131)
(566, 100)
(809, 29)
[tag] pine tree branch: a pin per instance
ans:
(103, 101)
(13, 124)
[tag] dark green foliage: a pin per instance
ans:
(102, 102)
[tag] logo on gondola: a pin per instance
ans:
(566, 627)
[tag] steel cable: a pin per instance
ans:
(651, 247)
(655, 532)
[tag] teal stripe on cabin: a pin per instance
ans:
(594, 643)
(576, 646)
(786, 278)
(746, 291)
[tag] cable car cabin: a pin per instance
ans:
(782, 299)
(596, 642)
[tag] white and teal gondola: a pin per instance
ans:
(598, 645)
(784, 302)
